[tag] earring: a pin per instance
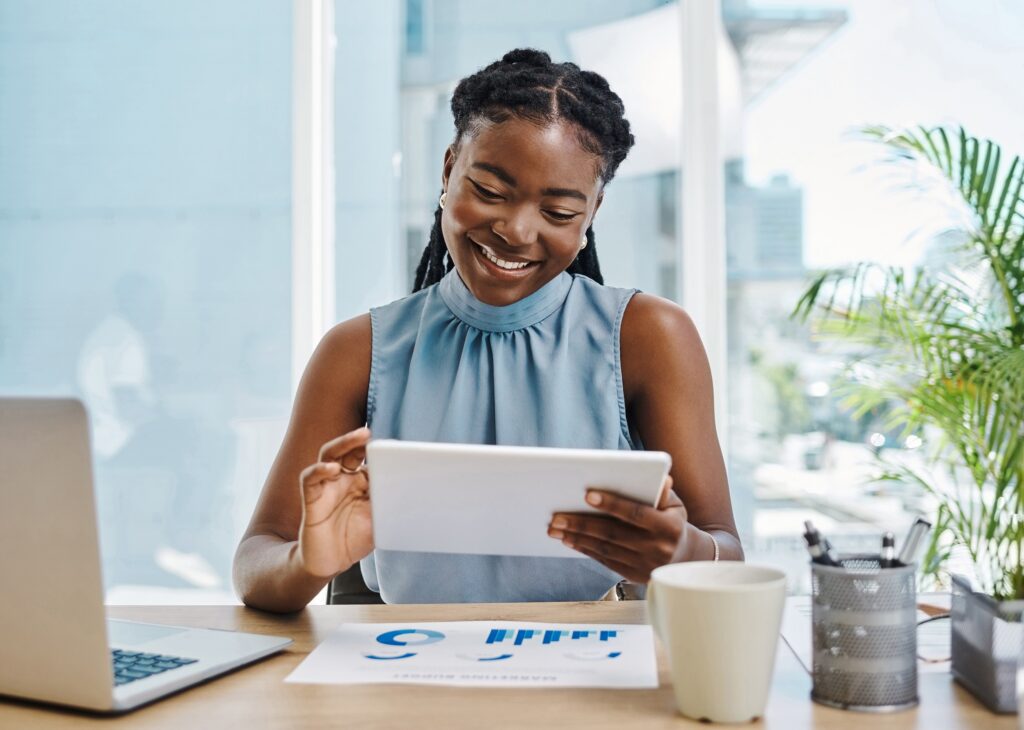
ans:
(440, 201)
(583, 243)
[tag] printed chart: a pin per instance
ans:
(485, 654)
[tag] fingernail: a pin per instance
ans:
(567, 542)
(557, 534)
(559, 523)
(593, 498)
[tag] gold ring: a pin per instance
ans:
(347, 470)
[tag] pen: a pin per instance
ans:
(911, 545)
(819, 548)
(888, 557)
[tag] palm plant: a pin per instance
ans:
(947, 347)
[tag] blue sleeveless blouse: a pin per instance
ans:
(543, 371)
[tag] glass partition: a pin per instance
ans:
(145, 157)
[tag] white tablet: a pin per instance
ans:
(494, 500)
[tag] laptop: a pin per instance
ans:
(57, 644)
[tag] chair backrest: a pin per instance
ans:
(349, 588)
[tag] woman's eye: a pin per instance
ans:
(561, 216)
(484, 191)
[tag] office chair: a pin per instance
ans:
(349, 588)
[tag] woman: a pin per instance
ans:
(510, 337)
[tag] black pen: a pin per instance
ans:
(888, 557)
(820, 550)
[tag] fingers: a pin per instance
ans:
(606, 529)
(598, 547)
(326, 489)
(316, 477)
(629, 535)
(629, 571)
(348, 450)
(319, 473)
(668, 498)
(627, 510)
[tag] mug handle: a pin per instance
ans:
(652, 611)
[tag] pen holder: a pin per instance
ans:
(864, 628)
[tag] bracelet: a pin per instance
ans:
(715, 543)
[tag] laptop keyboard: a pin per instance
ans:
(132, 665)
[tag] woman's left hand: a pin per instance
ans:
(631, 538)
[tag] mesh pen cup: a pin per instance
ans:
(864, 629)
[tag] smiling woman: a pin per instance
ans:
(510, 337)
(519, 198)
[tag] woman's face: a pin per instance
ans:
(519, 201)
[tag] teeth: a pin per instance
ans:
(502, 263)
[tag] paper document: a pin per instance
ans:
(933, 638)
(485, 654)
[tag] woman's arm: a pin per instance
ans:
(670, 402)
(312, 521)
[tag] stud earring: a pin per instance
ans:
(440, 201)
(583, 244)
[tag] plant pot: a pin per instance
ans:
(987, 636)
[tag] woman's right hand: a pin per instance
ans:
(336, 530)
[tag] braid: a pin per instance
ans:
(431, 269)
(526, 84)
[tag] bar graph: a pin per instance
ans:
(550, 636)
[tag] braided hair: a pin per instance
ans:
(526, 84)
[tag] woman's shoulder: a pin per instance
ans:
(657, 338)
(649, 314)
(349, 336)
(340, 365)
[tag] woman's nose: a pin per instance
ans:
(518, 228)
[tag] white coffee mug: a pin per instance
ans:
(719, 623)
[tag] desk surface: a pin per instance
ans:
(256, 696)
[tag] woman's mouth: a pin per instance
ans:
(502, 267)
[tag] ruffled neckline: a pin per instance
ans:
(518, 315)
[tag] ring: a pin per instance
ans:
(347, 470)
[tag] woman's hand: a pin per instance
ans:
(336, 530)
(631, 538)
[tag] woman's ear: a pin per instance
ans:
(446, 168)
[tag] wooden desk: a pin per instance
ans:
(257, 697)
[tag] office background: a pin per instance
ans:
(150, 154)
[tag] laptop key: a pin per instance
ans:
(129, 666)
(150, 670)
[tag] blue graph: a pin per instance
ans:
(551, 636)
(413, 637)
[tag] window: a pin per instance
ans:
(144, 228)
(389, 160)
(803, 194)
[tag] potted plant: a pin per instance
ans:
(946, 344)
